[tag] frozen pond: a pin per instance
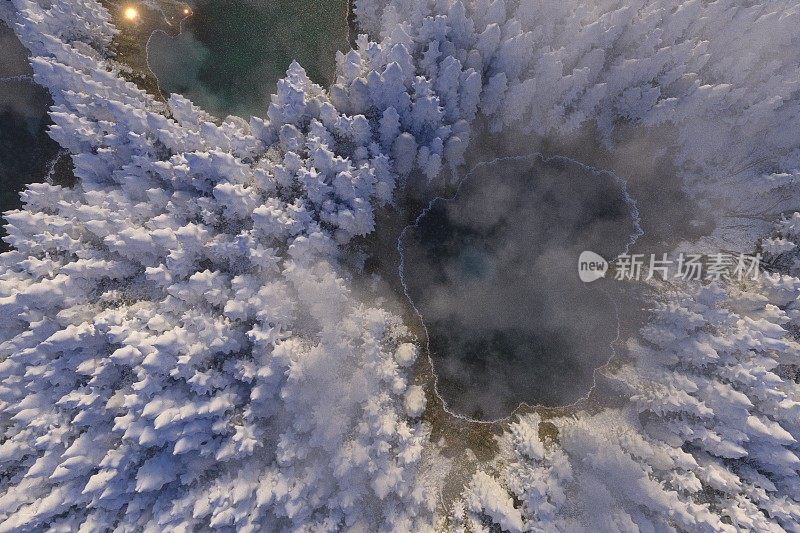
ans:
(493, 274)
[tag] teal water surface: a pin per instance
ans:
(231, 53)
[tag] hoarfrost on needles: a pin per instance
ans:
(182, 346)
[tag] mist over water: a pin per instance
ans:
(493, 274)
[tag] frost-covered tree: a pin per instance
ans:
(713, 417)
(182, 348)
(708, 69)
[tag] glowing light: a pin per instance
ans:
(187, 11)
(131, 13)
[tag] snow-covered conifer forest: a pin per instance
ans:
(186, 343)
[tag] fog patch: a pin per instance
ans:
(493, 274)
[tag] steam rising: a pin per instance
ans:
(492, 273)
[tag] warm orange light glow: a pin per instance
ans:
(187, 11)
(131, 13)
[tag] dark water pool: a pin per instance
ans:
(27, 154)
(228, 60)
(231, 53)
(493, 273)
